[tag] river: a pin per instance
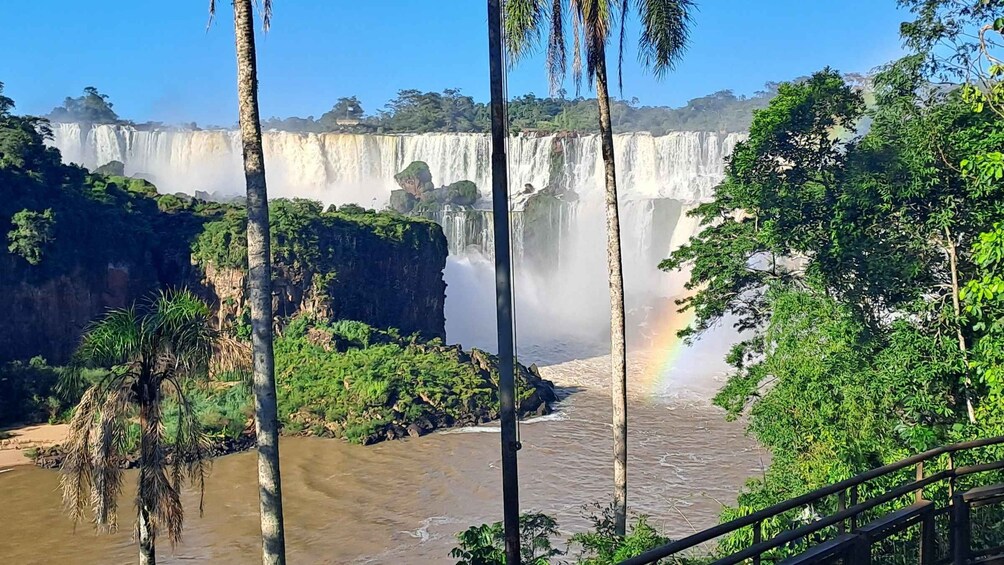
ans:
(403, 501)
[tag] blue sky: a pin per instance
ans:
(158, 61)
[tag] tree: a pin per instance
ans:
(260, 284)
(32, 232)
(959, 42)
(840, 254)
(92, 108)
(665, 29)
(485, 544)
(344, 109)
(150, 352)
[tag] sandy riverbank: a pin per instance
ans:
(17, 441)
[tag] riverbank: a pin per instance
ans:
(17, 443)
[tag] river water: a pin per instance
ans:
(403, 501)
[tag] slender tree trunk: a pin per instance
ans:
(147, 550)
(615, 275)
(147, 450)
(953, 262)
(260, 283)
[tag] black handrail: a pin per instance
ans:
(760, 516)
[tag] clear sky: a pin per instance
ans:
(158, 61)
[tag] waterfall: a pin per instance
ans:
(559, 252)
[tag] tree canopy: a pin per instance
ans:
(92, 108)
(859, 250)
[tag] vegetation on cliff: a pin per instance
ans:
(864, 268)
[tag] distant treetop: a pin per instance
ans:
(450, 111)
(93, 108)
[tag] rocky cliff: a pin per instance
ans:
(353, 264)
(112, 241)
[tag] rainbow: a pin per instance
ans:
(660, 358)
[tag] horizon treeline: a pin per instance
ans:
(451, 111)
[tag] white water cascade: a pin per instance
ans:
(660, 178)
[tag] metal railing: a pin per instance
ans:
(842, 536)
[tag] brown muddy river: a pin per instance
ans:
(403, 501)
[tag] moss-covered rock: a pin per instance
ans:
(402, 201)
(462, 193)
(352, 381)
(111, 168)
(415, 178)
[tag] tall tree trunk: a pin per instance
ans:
(147, 550)
(615, 275)
(148, 449)
(953, 262)
(260, 291)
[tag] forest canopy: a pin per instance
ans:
(414, 111)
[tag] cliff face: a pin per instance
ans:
(47, 316)
(383, 270)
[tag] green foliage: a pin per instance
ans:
(485, 544)
(93, 107)
(59, 218)
(413, 111)
(27, 392)
(842, 256)
(361, 384)
(602, 545)
(305, 236)
(31, 234)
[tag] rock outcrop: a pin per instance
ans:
(418, 196)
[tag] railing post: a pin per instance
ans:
(928, 553)
(918, 495)
(841, 506)
(757, 538)
(862, 551)
(951, 476)
(854, 502)
(960, 530)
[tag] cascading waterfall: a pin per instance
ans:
(561, 294)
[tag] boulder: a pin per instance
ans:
(415, 178)
(402, 201)
(111, 168)
(462, 193)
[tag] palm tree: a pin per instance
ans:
(150, 351)
(259, 283)
(665, 28)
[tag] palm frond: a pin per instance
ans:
(112, 340)
(231, 356)
(521, 26)
(597, 17)
(191, 447)
(625, 9)
(77, 471)
(212, 13)
(576, 47)
(266, 13)
(556, 47)
(665, 31)
(184, 336)
(156, 491)
(107, 450)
